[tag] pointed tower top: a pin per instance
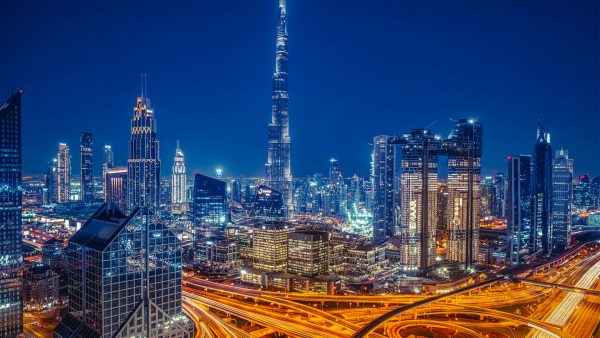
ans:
(177, 144)
(144, 79)
(282, 7)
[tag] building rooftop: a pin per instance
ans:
(101, 228)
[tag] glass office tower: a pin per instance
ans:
(11, 304)
(383, 177)
(124, 279)
(541, 203)
(562, 195)
(209, 206)
(518, 207)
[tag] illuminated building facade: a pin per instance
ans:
(143, 166)
(114, 290)
(586, 193)
(518, 207)
(63, 173)
(218, 253)
(86, 175)
(178, 179)
(209, 206)
(278, 167)
(268, 205)
(115, 187)
(464, 149)
(418, 175)
(270, 246)
(308, 253)
(11, 304)
(541, 204)
(562, 196)
(40, 288)
(383, 177)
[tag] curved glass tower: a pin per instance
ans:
(278, 170)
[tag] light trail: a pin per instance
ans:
(563, 311)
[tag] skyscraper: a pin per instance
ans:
(209, 206)
(562, 195)
(143, 166)
(488, 197)
(518, 207)
(49, 192)
(86, 175)
(63, 173)
(115, 187)
(278, 167)
(383, 176)
(500, 188)
(11, 308)
(178, 179)
(464, 149)
(124, 279)
(268, 205)
(418, 175)
(585, 194)
(541, 203)
(108, 158)
(334, 194)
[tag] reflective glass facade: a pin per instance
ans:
(383, 177)
(123, 281)
(11, 256)
(541, 203)
(209, 206)
(562, 196)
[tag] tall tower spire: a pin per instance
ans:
(278, 172)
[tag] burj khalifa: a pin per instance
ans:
(278, 171)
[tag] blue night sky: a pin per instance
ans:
(357, 69)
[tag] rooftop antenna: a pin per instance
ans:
(144, 77)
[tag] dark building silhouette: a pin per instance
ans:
(209, 206)
(541, 203)
(518, 207)
(268, 205)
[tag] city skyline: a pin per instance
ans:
(570, 89)
(429, 240)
